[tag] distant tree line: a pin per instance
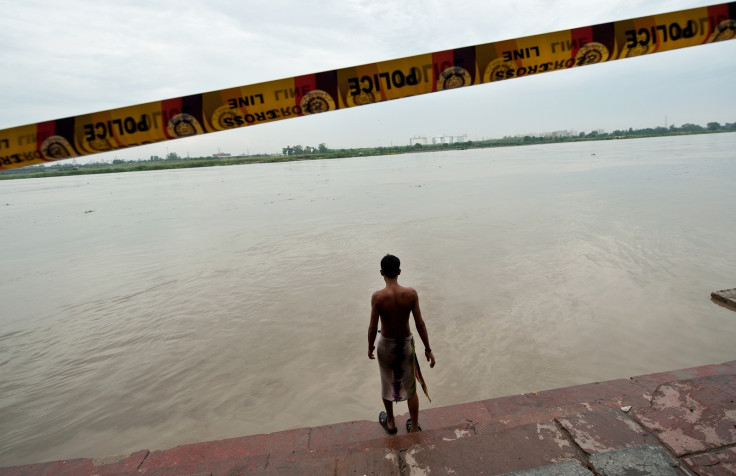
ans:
(689, 128)
(299, 150)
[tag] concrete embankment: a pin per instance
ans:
(679, 422)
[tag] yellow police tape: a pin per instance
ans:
(358, 85)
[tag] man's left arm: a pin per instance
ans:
(422, 330)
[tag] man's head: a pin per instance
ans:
(390, 266)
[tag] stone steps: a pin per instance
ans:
(684, 417)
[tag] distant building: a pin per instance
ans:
(445, 139)
(220, 155)
(565, 133)
(552, 134)
(418, 140)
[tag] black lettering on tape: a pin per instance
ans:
(690, 30)
(398, 79)
(129, 125)
(631, 40)
(412, 79)
(103, 134)
(388, 80)
(143, 125)
(525, 53)
(119, 123)
(353, 86)
(89, 132)
(675, 31)
(27, 139)
(363, 81)
(426, 69)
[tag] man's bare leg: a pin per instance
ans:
(414, 412)
(389, 413)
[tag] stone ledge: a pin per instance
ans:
(688, 413)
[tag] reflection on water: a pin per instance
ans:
(145, 310)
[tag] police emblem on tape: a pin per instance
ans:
(57, 147)
(591, 53)
(317, 101)
(453, 77)
(184, 125)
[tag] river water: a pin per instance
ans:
(146, 310)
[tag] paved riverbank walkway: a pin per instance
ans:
(672, 423)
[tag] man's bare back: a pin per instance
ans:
(395, 304)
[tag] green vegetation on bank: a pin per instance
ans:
(291, 153)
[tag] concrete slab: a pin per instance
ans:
(405, 441)
(566, 468)
(727, 296)
(367, 456)
(592, 396)
(691, 411)
(509, 412)
(637, 460)
(398, 443)
(105, 466)
(375, 462)
(72, 467)
(607, 430)
(283, 441)
(518, 410)
(241, 465)
(691, 416)
(517, 449)
(717, 463)
(452, 416)
(510, 405)
(651, 381)
(310, 458)
(725, 383)
(341, 433)
(132, 462)
(289, 468)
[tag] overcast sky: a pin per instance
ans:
(70, 57)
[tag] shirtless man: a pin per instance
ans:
(396, 359)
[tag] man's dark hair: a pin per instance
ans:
(390, 266)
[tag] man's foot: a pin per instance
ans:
(408, 426)
(383, 420)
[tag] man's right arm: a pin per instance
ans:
(373, 326)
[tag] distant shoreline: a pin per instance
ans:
(155, 163)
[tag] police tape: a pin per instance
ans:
(270, 101)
